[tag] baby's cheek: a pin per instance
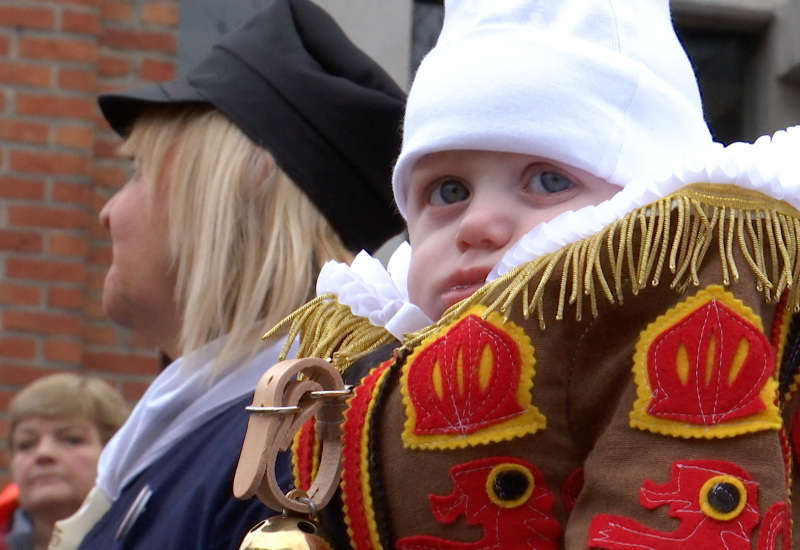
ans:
(413, 282)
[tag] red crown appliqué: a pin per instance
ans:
(470, 384)
(705, 369)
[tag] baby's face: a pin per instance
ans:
(466, 208)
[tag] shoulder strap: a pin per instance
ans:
(288, 395)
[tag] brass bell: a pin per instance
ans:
(286, 532)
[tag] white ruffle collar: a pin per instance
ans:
(375, 292)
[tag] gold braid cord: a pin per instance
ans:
(329, 330)
(667, 238)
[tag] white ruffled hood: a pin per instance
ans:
(771, 166)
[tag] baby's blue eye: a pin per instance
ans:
(449, 192)
(549, 182)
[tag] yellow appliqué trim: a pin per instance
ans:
(527, 422)
(768, 419)
(785, 320)
(366, 491)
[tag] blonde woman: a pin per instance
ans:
(57, 427)
(268, 159)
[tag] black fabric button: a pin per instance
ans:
(724, 497)
(510, 485)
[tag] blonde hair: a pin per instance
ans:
(67, 395)
(246, 242)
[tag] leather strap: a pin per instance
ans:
(281, 405)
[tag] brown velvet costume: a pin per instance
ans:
(633, 390)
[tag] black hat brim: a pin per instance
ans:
(121, 109)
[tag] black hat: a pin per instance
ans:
(297, 86)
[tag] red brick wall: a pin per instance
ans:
(57, 169)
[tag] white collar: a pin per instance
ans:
(375, 292)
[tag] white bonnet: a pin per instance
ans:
(600, 85)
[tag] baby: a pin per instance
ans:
(624, 379)
(526, 109)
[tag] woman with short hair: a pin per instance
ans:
(57, 427)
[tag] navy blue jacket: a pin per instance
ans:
(192, 506)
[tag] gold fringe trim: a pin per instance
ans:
(329, 330)
(643, 247)
(668, 238)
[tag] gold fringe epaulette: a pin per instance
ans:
(669, 237)
(329, 330)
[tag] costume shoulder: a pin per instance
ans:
(625, 383)
(628, 378)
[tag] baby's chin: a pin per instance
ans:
(429, 305)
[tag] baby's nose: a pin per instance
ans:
(486, 224)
